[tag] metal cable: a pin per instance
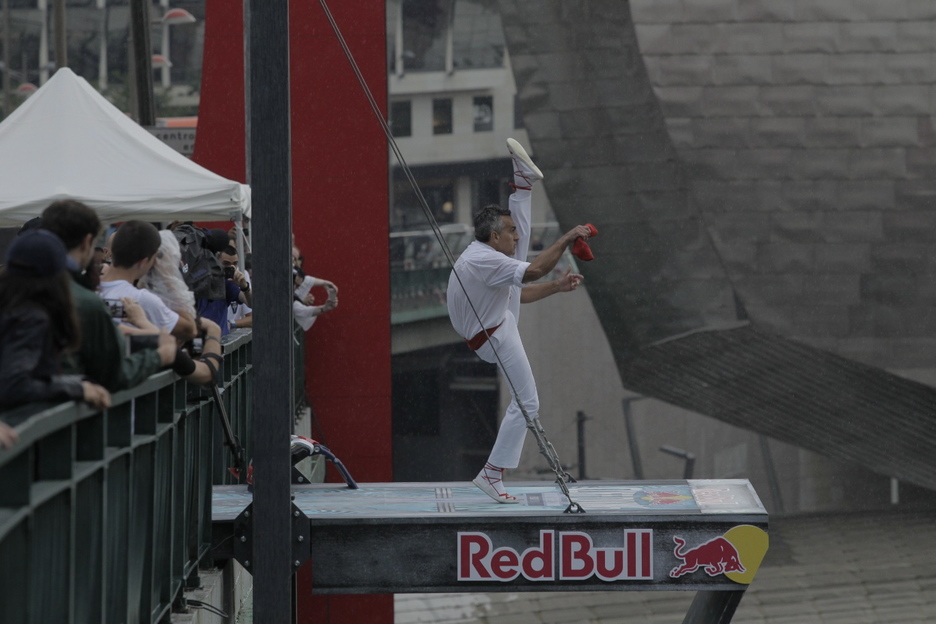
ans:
(545, 446)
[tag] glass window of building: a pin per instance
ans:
(408, 214)
(442, 116)
(483, 113)
(518, 113)
(401, 118)
(486, 191)
(478, 37)
(425, 34)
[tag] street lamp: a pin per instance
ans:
(160, 62)
(171, 17)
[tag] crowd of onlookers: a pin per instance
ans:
(82, 316)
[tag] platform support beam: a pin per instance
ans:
(713, 607)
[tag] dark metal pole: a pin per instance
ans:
(266, 25)
(713, 607)
(61, 38)
(7, 96)
(689, 466)
(142, 62)
(580, 419)
(772, 480)
(632, 439)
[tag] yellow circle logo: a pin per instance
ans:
(751, 544)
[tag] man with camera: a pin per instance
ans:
(236, 291)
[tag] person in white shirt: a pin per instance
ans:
(133, 253)
(304, 309)
(493, 276)
(240, 315)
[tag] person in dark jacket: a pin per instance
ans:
(38, 324)
(102, 356)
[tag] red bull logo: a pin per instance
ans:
(571, 557)
(716, 556)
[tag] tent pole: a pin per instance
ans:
(142, 62)
(61, 37)
(7, 96)
(239, 243)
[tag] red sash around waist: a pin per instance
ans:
(477, 341)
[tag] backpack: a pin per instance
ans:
(201, 270)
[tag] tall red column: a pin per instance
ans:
(340, 208)
(340, 219)
(221, 140)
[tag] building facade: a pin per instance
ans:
(806, 130)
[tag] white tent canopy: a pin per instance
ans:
(68, 142)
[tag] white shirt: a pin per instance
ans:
(237, 311)
(156, 311)
(304, 314)
(488, 277)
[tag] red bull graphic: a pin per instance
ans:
(661, 498)
(737, 554)
(715, 556)
(575, 559)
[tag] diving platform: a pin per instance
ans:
(708, 535)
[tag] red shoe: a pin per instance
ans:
(580, 248)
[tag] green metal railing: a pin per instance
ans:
(105, 516)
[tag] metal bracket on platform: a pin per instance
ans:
(298, 477)
(242, 547)
(574, 508)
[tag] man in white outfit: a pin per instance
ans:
(489, 281)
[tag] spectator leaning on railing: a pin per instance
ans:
(304, 309)
(102, 356)
(38, 324)
(133, 253)
(203, 369)
(164, 279)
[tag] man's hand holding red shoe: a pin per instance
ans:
(580, 248)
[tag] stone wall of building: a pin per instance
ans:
(807, 129)
(807, 126)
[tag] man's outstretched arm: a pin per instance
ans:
(567, 283)
(546, 261)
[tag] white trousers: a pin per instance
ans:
(514, 363)
(521, 208)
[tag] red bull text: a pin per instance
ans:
(573, 557)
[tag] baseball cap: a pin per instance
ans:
(36, 253)
(217, 240)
